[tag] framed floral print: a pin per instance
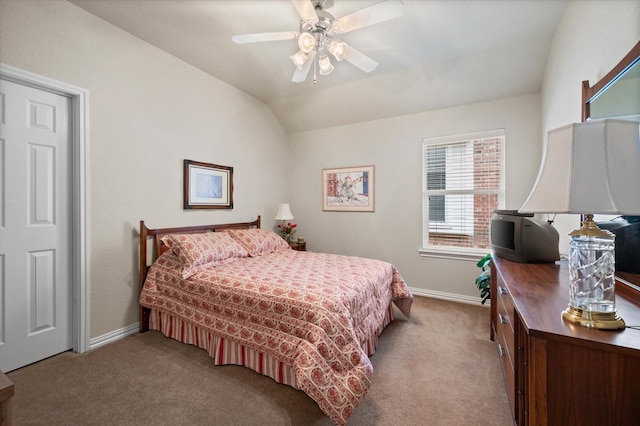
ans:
(348, 189)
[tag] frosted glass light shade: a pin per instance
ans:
(299, 59)
(325, 65)
(284, 212)
(338, 49)
(306, 42)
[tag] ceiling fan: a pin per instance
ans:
(317, 32)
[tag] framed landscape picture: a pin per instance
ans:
(207, 186)
(348, 189)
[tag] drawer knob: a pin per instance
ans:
(500, 350)
(503, 319)
(502, 290)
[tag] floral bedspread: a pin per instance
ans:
(310, 310)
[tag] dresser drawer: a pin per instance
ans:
(504, 322)
(505, 306)
(509, 374)
(505, 339)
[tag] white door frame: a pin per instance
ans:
(79, 132)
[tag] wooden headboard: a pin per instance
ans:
(159, 248)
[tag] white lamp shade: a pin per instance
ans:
(591, 167)
(284, 212)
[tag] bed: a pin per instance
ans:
(307, 320)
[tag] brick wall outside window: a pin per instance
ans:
(487, 190)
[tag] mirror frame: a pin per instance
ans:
(590, 93)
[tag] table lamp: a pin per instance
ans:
(589, 168)
(284, 214)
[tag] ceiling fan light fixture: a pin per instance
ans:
(298, 59)
(338, 49)
(306, 42)
(317, 29)
(324, 63)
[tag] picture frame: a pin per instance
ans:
(348, 189)
(207, 186)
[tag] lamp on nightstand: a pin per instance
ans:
(590, 168)
(284, 214)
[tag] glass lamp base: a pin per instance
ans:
(599, 320)
(592, 278)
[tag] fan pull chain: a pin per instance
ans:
(315, 66)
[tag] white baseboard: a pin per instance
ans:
(112, 336)
(448, 296)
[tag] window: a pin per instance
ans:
(462, 186)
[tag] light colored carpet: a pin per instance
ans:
(436, 368)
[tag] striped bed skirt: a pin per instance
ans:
(226, 352)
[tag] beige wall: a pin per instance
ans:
(394, 146)
(591, 39)
(148, 112)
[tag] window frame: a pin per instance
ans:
(455, 252)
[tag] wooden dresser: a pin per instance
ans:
(557, 373)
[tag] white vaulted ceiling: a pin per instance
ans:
(440, 53)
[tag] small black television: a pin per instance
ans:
(520, 237)
(627, 249)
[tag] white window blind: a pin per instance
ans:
(462, 186)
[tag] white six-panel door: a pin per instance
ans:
(35, 225)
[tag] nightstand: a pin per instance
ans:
(298, 246)
(6, 393)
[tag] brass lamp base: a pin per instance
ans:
(599, 320)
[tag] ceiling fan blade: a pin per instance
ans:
(259, 37)
(360, 60)
(306, 10)
(377, 13)
(300, 75)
